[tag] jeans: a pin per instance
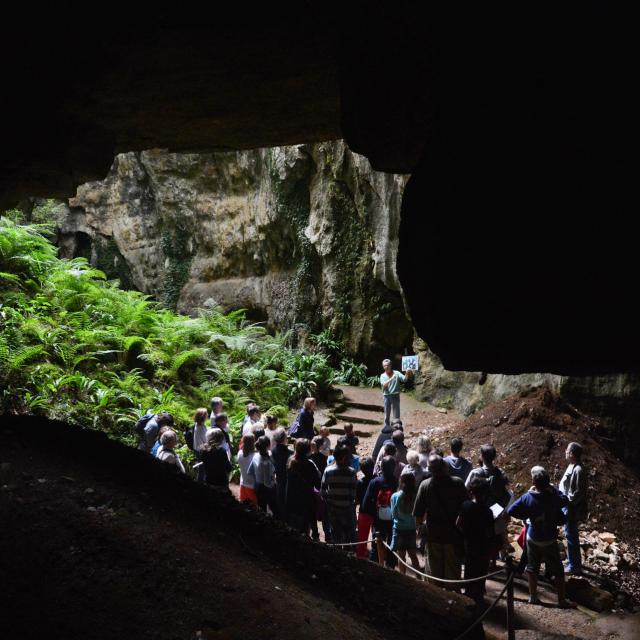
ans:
(391, 406)
(573, 544)
(343, 524)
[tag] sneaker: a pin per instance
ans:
(572, 572)
(534, 600)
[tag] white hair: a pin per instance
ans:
(413, 457)
(385, 362)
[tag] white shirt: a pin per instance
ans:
(243, 462)
(199, 436)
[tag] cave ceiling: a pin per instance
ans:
(519, 124)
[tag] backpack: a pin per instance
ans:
(498, 487)
(188, 437)
(383, 504)
(295, 427)
(142, 423)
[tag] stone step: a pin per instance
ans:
(360, 416)
(378, 408)
(338, 430)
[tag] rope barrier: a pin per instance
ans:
(347, 544)
(426, 575)
(484, 615)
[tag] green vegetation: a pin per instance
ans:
(76, 347)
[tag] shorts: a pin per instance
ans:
(404, 540)
(549, 554)
(248, 495)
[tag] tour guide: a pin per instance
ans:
(391, 381)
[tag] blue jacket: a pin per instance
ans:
(543, 510)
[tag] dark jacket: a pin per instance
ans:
(320, 460)
(305, 422)
(302, 478)
(369, 502)
(543, 509)
(280, 455)
(217, 466)
(440, 499)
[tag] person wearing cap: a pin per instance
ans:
(541, 508)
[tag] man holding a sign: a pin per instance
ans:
(391, 381)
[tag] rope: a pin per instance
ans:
(484, 615)
(426, 575)
(347, 544)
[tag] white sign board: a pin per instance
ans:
(409, 362)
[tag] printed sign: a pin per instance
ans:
(409, 362)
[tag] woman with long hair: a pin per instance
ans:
(404, 522)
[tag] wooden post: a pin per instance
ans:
(511, 632)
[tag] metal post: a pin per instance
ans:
(511, 632)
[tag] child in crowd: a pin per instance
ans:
(215, 460)
(317, 457)
(404, 522)
(364, 519)
(270, 429)
(200, 435)
(263, 473)
(244, 459)
(351, 440)
(166, 453)
(377, 503)
(354, 459)
(325, 448)
(163, 429)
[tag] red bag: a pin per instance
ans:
(522, 538)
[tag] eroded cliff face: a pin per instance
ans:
(303, 237)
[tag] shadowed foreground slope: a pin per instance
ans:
(100, 541)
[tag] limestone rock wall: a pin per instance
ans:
(304, 237)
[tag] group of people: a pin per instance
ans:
(409, 500)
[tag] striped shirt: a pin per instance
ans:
(338, 487)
